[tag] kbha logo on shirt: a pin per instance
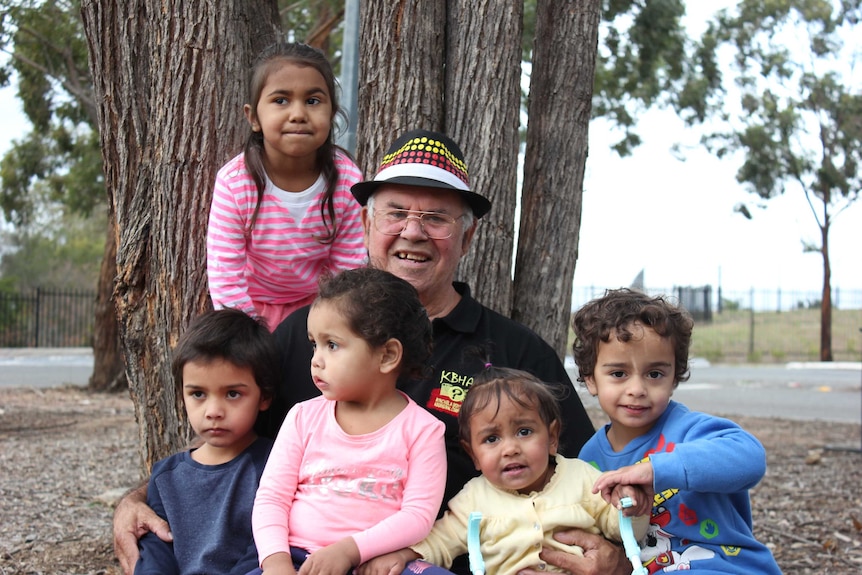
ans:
(449, 396)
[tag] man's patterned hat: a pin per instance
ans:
(427, 159)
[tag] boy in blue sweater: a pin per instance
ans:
(226, 367)
(632, 352)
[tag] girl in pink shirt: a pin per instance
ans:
(282, 213)
(360, 471)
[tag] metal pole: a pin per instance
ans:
(350, 74)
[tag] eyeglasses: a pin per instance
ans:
(435, 225)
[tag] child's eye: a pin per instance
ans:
(332, 345)
(196, 394)
(617, 373)
(655, 374)
(234, 394)
(312, 101)
(524, 432)
(491, 439)
(280, 101)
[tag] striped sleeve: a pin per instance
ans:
(226, 238)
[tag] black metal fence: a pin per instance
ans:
(47, 318)
(762, 326)
(744, 326)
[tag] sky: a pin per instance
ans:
(674, 220)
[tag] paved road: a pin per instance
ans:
(810, 391)
(26, 367)
(830, 392)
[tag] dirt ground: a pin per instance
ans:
(67, 455)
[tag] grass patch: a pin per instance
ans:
(740, 336)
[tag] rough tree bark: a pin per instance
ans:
(401, 56)
(482, 108)
(561, 92)
(170, 81)
(451, 67)
(108, 371)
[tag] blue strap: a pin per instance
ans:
(633, 550)
(474, 550)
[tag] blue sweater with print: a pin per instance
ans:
(703, 468)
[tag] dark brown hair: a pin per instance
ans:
(379, 306)
(241, 340)
(521, 387)
(615, 313)
(271, 58)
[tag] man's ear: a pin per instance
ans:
(466, 447)
(366, 225)
(390, 355)
(467, 240)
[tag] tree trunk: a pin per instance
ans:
(401, 56)
(108, 372)
(561, 92)
(426, 65)
(826, 299)
(169, 79)
(482, 107)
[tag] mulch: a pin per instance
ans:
(67, 455)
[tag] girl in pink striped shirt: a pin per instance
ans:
(282, 213)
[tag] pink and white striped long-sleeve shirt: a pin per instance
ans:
(275, 269)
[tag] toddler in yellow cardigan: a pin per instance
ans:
(510, 426)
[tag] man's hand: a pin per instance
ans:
(132, 519)
(601, 557)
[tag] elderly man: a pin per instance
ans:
(419, 218)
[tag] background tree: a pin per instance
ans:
(561, 94)
(425, 65)
(457, 68)
(58, 166)
(169, 83)
(637, 65)
(791, 105)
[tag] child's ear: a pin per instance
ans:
(590, 382)
(251, 116)
(264, 404)
(554, 435)
(466, 446)
(390, 355)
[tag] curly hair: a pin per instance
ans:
(523, 388)
(614, 314)
(379, 306)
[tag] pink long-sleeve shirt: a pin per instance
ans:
(320, 484)
(275, 269)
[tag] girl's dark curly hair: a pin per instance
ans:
(523, 388)
(272, 58)
(379, 306)
(614, 314)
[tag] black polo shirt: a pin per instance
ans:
(462, 340)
